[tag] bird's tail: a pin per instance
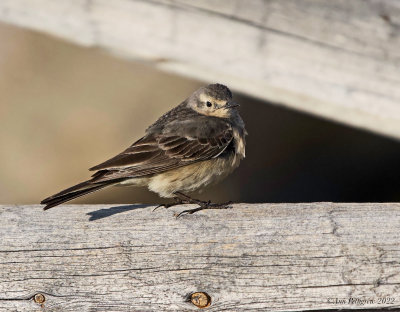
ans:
(74, 192)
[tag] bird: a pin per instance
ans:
(195, 144)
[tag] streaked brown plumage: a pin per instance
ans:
(198, 142)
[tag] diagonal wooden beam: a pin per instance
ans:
(336, 59)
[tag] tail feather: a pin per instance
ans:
(74, 192)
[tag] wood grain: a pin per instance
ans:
(253, 257)
(336, 59)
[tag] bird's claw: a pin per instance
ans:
(166, 206)
(159, 206)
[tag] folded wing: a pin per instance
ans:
(156, 153)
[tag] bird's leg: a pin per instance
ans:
(177, 201)
(203, 204)
(189, 200)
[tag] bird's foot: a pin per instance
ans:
(182, 199)
(177, 201)
(203, 206)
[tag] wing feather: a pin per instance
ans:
(160, 152)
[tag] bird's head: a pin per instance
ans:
(213, 100)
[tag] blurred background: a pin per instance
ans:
(65, 108)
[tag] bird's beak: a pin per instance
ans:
(231, 104)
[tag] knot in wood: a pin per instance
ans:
(39, 298)
(200, 299)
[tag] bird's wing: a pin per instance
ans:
(177, 145)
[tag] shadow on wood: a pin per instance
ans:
(106, 212)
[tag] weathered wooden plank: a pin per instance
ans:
(254, 257)
(337, 59)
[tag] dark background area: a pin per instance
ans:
(300, 158)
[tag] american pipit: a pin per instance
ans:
(196, 143)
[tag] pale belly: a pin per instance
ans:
(192, 177)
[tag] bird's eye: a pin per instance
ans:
(208, 104)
